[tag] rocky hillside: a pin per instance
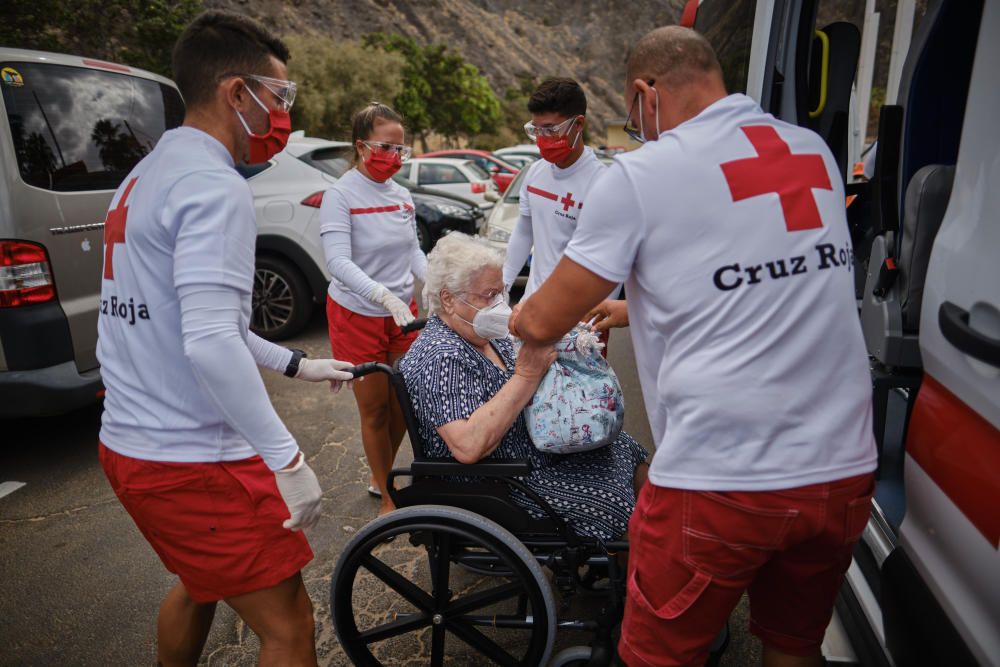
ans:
(585, 39)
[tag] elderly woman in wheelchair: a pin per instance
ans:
(485, 510)
(468, 393)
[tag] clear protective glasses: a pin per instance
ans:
(283, 90)
(634, 133)
(404, 151)
(490, 297)
(534, 131)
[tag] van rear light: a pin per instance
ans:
(315, 199)
(478, 188)
(25, 274)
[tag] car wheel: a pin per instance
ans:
(424, 237)
(282, 303)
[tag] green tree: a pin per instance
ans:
(335, 78)
(441, 92)
(138, 33)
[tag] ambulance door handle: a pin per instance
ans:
(954, 323)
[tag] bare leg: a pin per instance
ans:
(282, 616)
(372, 395)
(775, 658)
(182, 628)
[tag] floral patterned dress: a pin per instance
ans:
(449, 379)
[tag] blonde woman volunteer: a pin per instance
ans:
(371, 248)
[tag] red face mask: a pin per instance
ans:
(555, 149)
(265, 146)
(381, 165)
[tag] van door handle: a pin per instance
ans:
(954, 323)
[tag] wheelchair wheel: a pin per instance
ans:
(574, 656)
(402, 598)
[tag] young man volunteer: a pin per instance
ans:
(729, 228)
(189, 440)
(555, 187)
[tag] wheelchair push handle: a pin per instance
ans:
(366, 368)
(415, 325)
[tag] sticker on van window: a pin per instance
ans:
(11, 76)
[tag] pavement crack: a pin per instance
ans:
(61, 513)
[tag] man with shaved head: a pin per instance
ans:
(729, 231)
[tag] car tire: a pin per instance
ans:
(282, 303)
(424, 237)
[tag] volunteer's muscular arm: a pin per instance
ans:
(225, 367)
(518, 249)
(562, 301)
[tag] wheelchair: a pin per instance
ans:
(455, 575)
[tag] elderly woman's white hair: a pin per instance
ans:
(453, 263)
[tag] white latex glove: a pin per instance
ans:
(331, 370)
(400, 311)
(300, 490)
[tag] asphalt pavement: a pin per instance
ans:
(80, 586)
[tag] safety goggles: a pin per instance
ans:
(283, 90)
(404, 151)
(534, 131)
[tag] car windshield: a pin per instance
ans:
(513, 194)
(480, 173)
(77, 129)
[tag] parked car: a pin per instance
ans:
(519, 161)
(291, 276)
(71, 129)
(438, 214)
(521, 151)
(502, 172)
(500, 223)
(452, 176)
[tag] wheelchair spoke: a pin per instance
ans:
(403, 624)
(482, 643)
(440, 563)
(398, 583)
(437, 646)
(484, 598)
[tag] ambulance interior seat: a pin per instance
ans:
(914, 171)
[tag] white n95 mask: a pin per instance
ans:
(490, 322)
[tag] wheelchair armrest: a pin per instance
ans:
(444, 467)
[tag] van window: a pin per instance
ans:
(728, 26)
(83, 129)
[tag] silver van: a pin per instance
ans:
(71, 129)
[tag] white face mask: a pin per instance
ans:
(490, 322)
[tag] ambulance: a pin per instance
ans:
(924, 584)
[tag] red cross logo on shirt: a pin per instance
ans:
(567, 201)
(776, 169)
(114, 230)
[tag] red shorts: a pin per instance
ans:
(693, 553)
(217, 526)
(357, 338)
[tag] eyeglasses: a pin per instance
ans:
(283, 90)
(491, 297)
(534, 131)
(635, 133)
(404, 151)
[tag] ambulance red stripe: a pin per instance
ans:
(374, 209)
(543, 193)
(960, 451)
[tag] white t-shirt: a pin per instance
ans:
(182, 220)
(550, 203)
(369, 238)
(741, 303)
